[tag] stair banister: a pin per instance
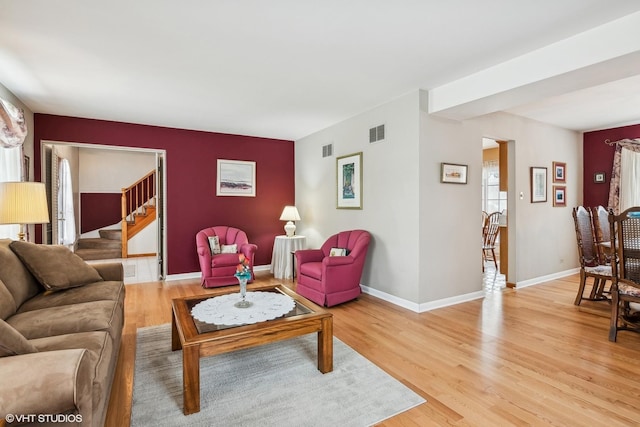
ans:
(135, 199)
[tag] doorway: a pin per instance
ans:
(103, 171)
(497, 201)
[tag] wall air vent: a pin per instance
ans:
(327, 150)
(376, 134)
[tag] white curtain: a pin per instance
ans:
(629, 179)
(10, 171)
(66, 215)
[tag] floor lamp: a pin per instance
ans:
(23, 203)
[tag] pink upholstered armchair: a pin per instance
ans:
(218, 268)
(332, 279)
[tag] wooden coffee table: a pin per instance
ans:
(198, 339)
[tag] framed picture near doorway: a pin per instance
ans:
(559, 196)
(559, 172)
(538, 184)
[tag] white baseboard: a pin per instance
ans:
(547, 278)
(420, 308)
(198, 275)
(445, 302)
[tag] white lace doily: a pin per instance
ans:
(220, 310)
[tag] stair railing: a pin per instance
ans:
(135, 198)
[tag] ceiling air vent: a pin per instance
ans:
(376, 134)
(327, 150)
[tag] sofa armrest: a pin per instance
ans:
(48, 382)
(110, 271)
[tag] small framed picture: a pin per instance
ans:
(559, 195)
(599, 177)
(538, 184)
(453, 174)
(559, 172)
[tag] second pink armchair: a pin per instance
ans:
(330, 280)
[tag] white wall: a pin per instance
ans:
(390, 200)
(545, 235)
(109, 171)
(426, 234)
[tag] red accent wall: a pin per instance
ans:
(191, 198)
(99, 210)
(598, 157)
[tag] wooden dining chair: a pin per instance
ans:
(489, 235)
(600, 218)
(590, 266)
(625, 289)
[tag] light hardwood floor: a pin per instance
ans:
(517, 357)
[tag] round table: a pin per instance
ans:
(282, 264)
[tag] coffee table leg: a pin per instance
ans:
(325, 346)
(175, 338)
(191, 378)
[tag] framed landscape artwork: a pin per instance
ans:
(453, 174)
(236, 178)
(349, 181)
(538, 184)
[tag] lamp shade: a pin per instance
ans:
(23, 203)
(290, 213)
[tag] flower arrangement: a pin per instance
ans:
(243, 270)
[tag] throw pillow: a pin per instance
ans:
(338, 252)
(13, 342)
(214, 245)
(55, 266)
(229, 249)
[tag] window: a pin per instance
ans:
(493, 200)
(10, 170)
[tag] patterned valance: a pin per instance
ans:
(13, 127)
(614, 185)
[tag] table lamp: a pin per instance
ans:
(290, 214)
(23, 203)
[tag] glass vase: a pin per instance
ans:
(243, 303)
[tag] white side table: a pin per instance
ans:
(282, 263)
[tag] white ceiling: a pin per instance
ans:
(287, 68)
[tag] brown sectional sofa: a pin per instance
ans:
(60, 331)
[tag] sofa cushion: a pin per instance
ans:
(55, 266)
(7, 303)
(68, 319)
(13, 342)
(97, 291)
(16, 277)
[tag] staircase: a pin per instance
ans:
(138, 211)
(138, 208)
(107, 246)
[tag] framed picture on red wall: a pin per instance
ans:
(559, 172)
(599, 177)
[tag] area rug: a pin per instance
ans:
(273, 385)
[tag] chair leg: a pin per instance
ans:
(583, 281)
(594, 289)
(613, 328)
(495, 262)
